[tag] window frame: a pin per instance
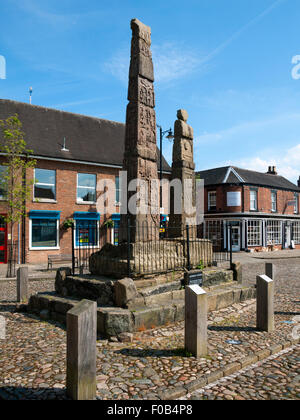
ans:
(78, 201)
(257, 232)
(88, 245)
(210, 193)
(2, 197)
(296, 206)
(118, 190)
(252, 190)
(274, 193)
(35, 248)
(271, 231)
(44, 200)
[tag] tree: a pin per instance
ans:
(13, 181)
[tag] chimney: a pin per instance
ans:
(299, 182)
(272, 170)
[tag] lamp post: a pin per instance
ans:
(169, 137)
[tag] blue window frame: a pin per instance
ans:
(86, 232)
(116, 218)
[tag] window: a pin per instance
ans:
(44, 233)
(212, 200)
(274, 232)
(86, 233)
(274, 201)
(296, 207)
(44, 184)
(254, 230)
(253, 200)
(296, 232)
(214, 230)
(2, 174)
(86, 188)
(87, 227)
(118, 189)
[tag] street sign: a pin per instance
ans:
(193, 277)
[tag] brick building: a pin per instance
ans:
(262, 208)
(73, 153)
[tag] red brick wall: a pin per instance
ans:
(264, 200)
(66, 197)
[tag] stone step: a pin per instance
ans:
(112, 321)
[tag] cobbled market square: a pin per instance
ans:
(145, 267)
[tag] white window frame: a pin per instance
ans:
(86, 246)
(274, 194)
(78, 201)
(272, 232)
(44, 200)
(296, 232)
(296, 206)
(210, 194)
(117, 203)
(255, 234)
(2, 197)
(251, 200)
(34, 248)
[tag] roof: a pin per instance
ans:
(88, 139)
(235, 175)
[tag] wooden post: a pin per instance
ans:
(81, 350)
(196, 320)
(270, 271)
(22, 284)
(265, 304)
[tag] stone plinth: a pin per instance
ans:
(265, 304)
(196, 320)
(150, 257)
(81, 351)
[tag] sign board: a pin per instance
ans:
(193, 278)
(234, 199)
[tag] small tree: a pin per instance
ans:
(13, 181)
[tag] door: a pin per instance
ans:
(3, 241)
(236, 238)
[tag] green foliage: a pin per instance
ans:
(200, 266)
(68, 223)
(108, 223)
(15, 165)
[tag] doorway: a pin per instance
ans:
(236, 238)
(3, 241)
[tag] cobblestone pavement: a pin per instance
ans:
(32, 357)
(276, 378)
(8, 288)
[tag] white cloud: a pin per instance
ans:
(171, 62)
(288, 164)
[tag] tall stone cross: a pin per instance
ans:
(140, 158)
(183, 169)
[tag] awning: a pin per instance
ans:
(84, 215)
(44, 214)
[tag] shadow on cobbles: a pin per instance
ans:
(141, 353)
(22, 393)
(231, 328)
(287, 313)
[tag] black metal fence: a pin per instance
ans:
(147, 248)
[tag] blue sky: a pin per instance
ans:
(227, 62)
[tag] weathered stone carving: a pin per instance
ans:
(140, 158)
(183, 168)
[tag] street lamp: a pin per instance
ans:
(169, 137)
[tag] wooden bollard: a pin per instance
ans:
(265, 304)
(196, 320)
(22, 284)
(270, 271)
(81, 350)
